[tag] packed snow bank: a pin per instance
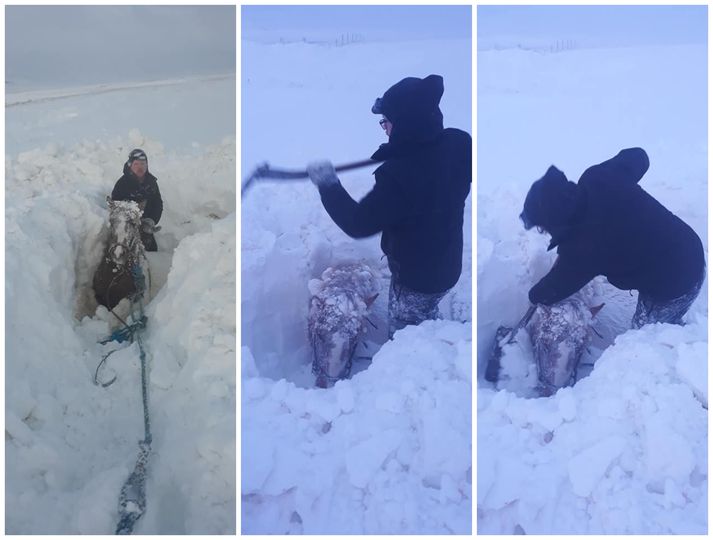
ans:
(387, 451)
(194, 355)
(623, 451)
(70, 445)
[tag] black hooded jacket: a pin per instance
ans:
(129, 188)
(606, 224)
(418, 199)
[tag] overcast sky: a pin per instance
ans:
(593, 25)
(373, 23)
(73, 45)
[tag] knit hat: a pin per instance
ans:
(137, 153)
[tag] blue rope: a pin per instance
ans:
(132, 499)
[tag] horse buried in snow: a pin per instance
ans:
(338, 309)
(116, 276)
(560, 334)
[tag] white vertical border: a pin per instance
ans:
(2, 273)
(238, 281)
(710, 230)
(474, 272)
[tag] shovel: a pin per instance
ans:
(493, 368)
(264, 171)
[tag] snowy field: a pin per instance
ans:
(624, 450)
(387, 451)
(70, 445)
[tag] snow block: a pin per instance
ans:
(367, 457)
(587, 468)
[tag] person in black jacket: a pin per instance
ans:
(606, 224)
(417, 201)
(139, 185)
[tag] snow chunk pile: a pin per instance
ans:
(387, 451)
(624, 451)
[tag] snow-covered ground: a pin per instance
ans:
(70, 445)
(387, 451)
(625, 449)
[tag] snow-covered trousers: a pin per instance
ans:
(409, 307)
(650, 311)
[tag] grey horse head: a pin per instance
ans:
(125, 244)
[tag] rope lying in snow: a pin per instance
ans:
(132, 499)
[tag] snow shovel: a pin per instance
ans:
(493, 369)
(264, 171)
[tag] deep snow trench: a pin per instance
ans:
(70, 445)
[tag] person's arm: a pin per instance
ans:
(119, 192)
(566, 277)
(385, 204)
(378, 209)
(154, 205)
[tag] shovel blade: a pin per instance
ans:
(492, 371)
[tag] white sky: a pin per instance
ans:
(373, 23)
(74, 45)
(592, 25)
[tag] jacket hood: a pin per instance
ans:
(411, 105)
(551, 204)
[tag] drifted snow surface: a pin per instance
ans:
(387, 451)
(70, 445)
(625, 450)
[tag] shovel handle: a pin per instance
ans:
(264, 171)
(525, 319)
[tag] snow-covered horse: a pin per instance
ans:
(560, 335)
(337, 312)
(115, 277)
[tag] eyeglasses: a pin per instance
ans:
(383, 123)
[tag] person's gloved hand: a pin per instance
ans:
(148, 226)
(322, 173)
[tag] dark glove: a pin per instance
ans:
(148, 226)
(322, 173)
